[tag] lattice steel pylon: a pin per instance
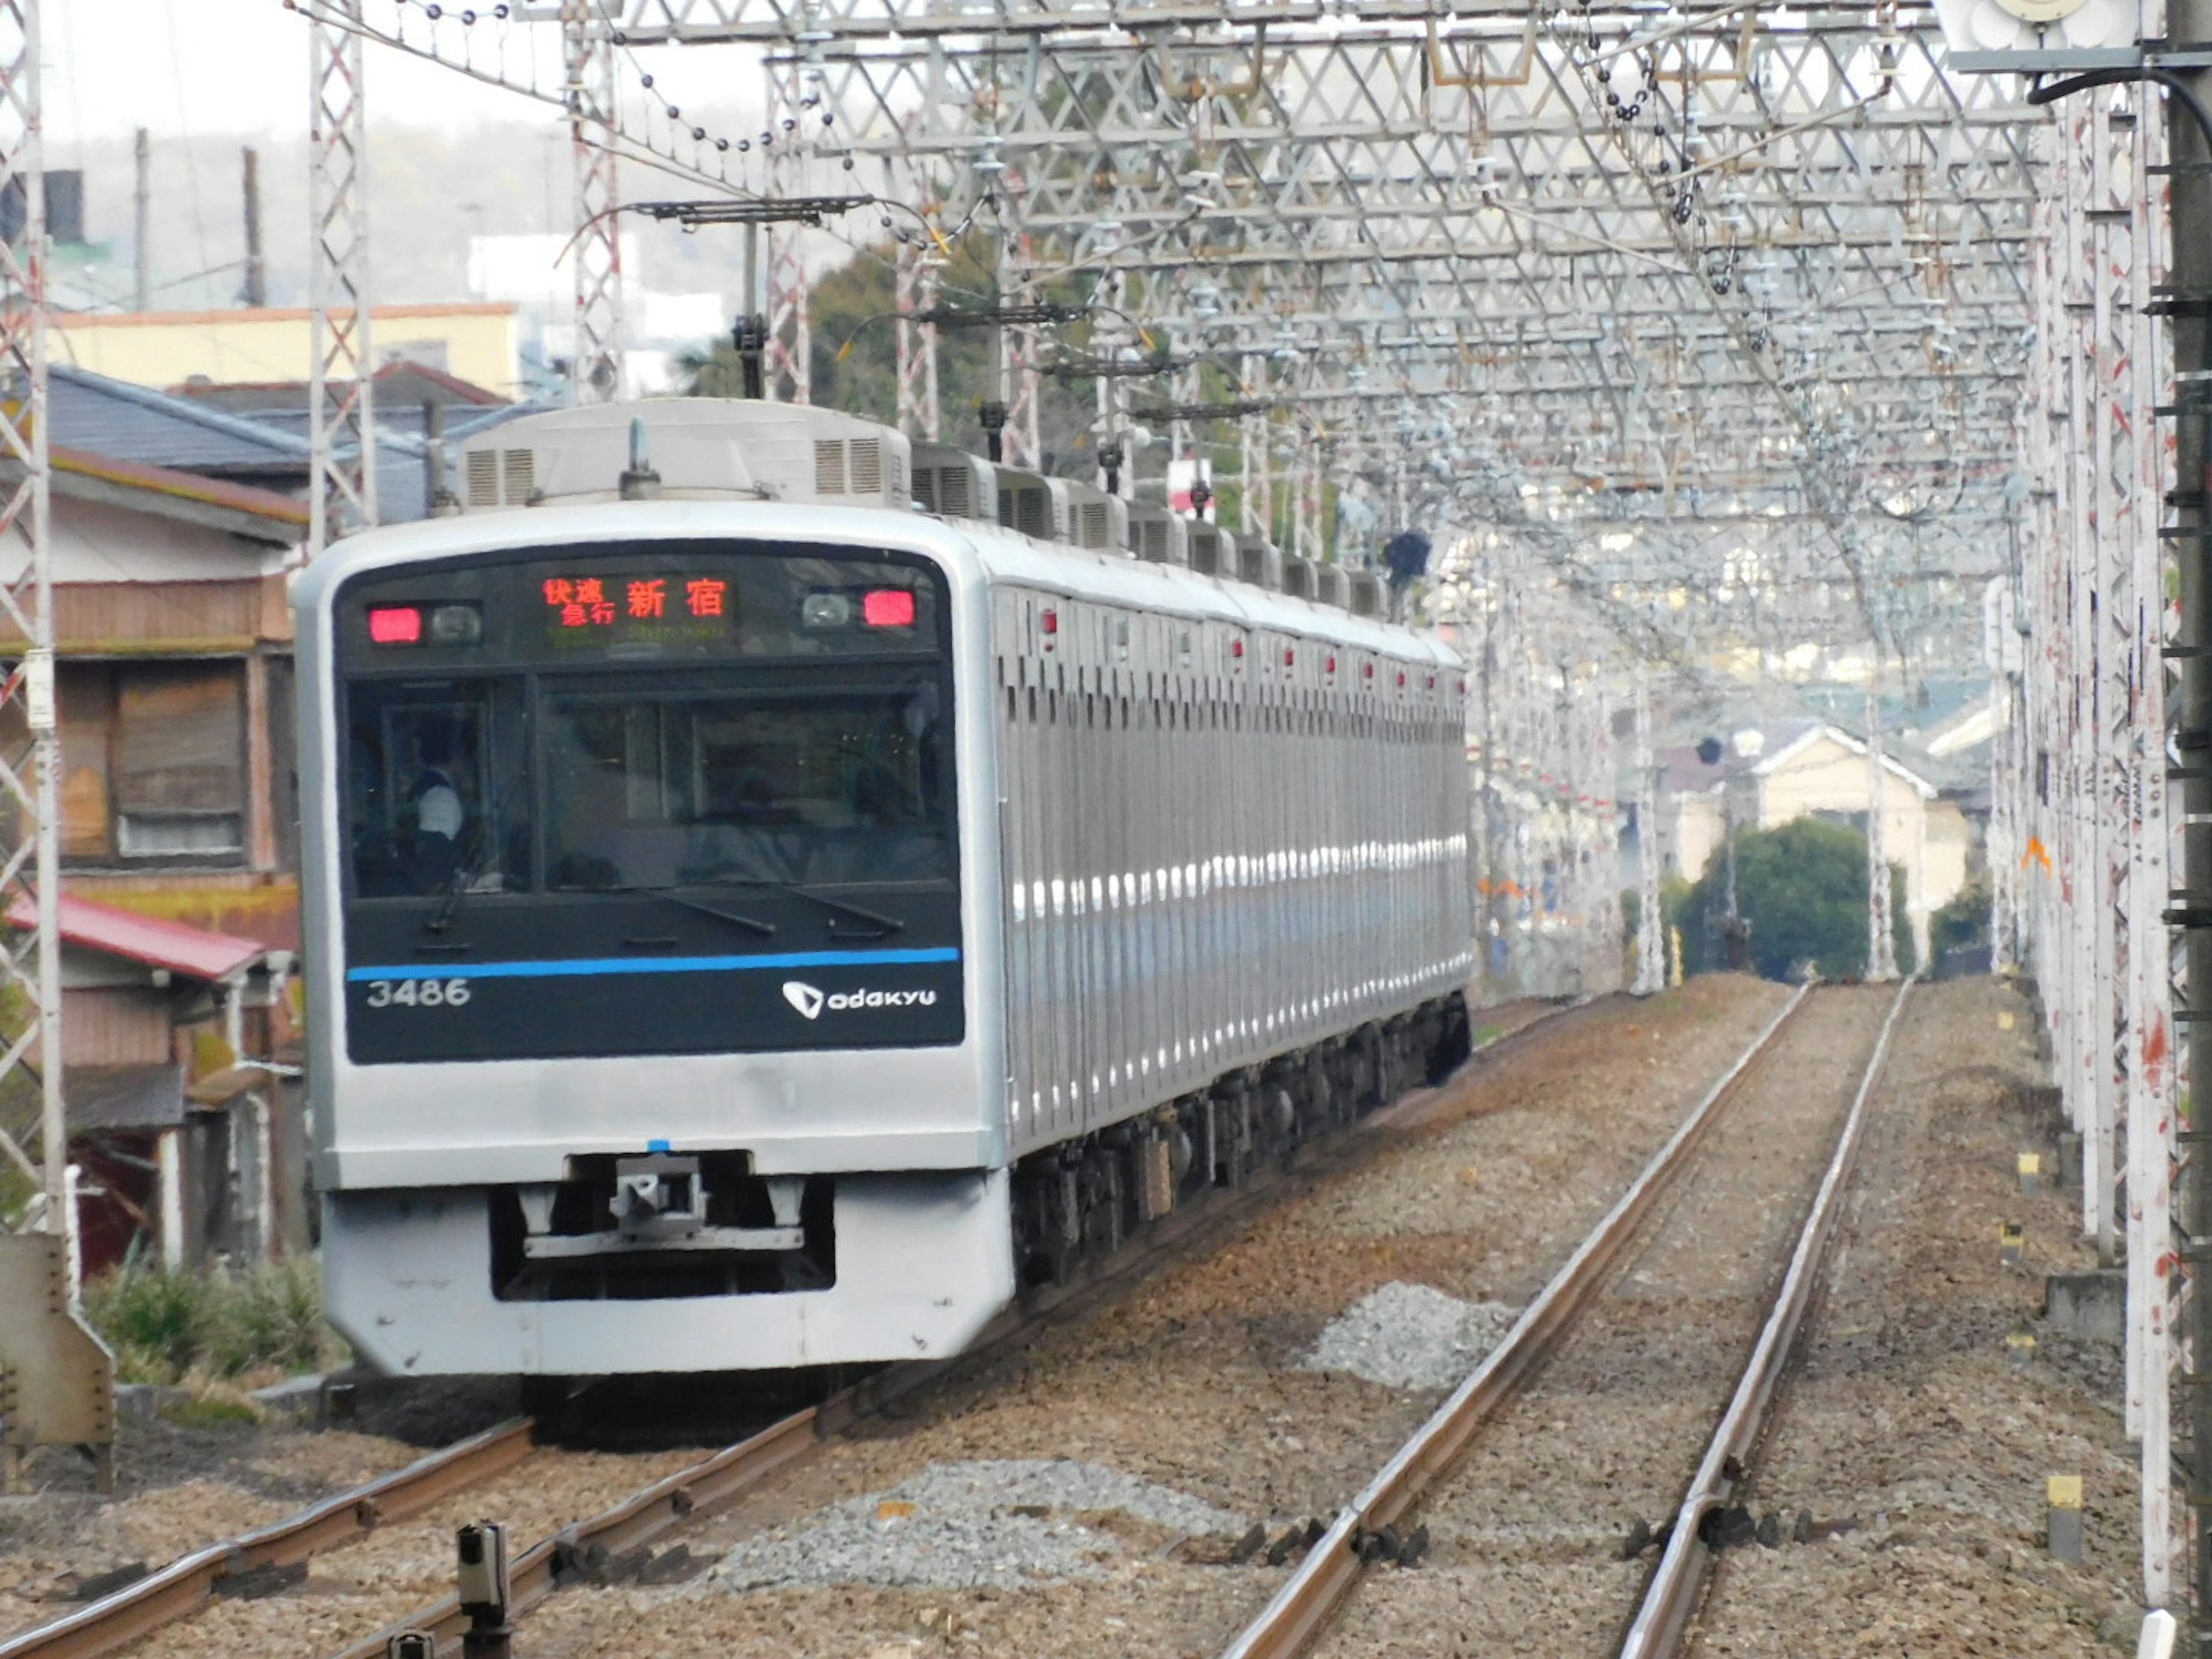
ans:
(341, 371)
(1651, 975)
(789, 362)
(30, 768)
(915, 290)
(2088, 822)
(595, 364)
(1881, 937)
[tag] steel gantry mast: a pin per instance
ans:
(595, 362)
(342, 385)
(30, 772)
(57, 1379)
(2079, 646)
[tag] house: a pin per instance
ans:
(414, 402)
(183, 1149)
(114, 417)
(1773, 774)
(476, 341)
(180, 902)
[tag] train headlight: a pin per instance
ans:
(456, 625)
(825, 610)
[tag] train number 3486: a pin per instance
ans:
(417, 993)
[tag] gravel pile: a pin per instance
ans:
(1410, 1336)
(998, 1521)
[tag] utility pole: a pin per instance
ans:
(256, 271)
(141, 198)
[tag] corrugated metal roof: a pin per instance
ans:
(127, 1099)
(193, 952)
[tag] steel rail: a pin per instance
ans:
(1303, 1606)
(628, 1532)
(188, 1583)
(1678, 1583)
(632, 1526)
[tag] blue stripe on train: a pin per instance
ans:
(654, 965)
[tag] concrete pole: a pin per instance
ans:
(142, 198)
(257, 268)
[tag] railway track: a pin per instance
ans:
(1329, 1604)
(621, 1540)
(239, 1564)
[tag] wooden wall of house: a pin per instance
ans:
(143, 618)
(116, 1026)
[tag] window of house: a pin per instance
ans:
(153, 762)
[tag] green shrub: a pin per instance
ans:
(165, 1323)
(1965, 921)
(1802, 885)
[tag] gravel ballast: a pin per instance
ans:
(1191, 1377)
(1262, 1378)
(1002, 1521)
(1525, 1557)
(1410, 1336)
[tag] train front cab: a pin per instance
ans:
(646, 1003)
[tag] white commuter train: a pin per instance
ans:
(753, 922)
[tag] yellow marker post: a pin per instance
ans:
(2061, 1498)
(2030, 1174)
(2010, 1238)
(2020, 1345)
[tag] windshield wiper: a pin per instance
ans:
(885, 926)
(765, 929)
(750, 924)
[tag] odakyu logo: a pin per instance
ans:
(810, 1001)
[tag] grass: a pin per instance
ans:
(195, 1326)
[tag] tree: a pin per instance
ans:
(1802, 886)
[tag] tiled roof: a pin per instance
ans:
(402, 381)
(114, 417)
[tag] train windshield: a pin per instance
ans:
(831, 786)
(648, 720)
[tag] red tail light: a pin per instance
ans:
(887, 607)
(395, 624)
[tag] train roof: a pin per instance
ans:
(693, 466)
(984, 553)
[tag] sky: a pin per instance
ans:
(240, 66)
(198, 66)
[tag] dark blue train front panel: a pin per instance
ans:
(667, 797)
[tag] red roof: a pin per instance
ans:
(120, 932)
